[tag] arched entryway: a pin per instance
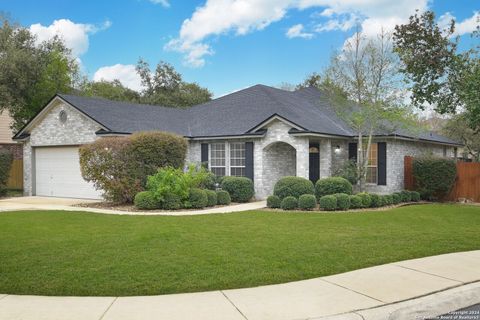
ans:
(279, 160)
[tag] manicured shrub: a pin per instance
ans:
(289, 203)
(307, 202)
(329, 186)
(396, 198)
(120, 166)
(415, 196)
(434, 177)
(343, 201)
(223, 197)
(347, 170)
(6, 159)
(293, 186)
(387, 199)
(208, 181)
(239, 188)
(406, 196)
(355, 202)
(168, 182)
(145, 200)
(380, 201)
(366, 199)
(212, 198)
(273, 202)
(328, 202)
(197, 198)
(376, 200)
(171, 201)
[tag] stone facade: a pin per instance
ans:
(50, 131)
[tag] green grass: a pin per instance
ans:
(67, 253)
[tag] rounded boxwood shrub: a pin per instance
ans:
(343, 201)
(329, 186)
(197, 198)
(273, 202)
(211, 198)
(239, 188)
(355, 202)
(396, 198)
(415, 196)
(145, 200)
(223, 197)
(366, 199)
(405, 195)
(171, 201)
(307, 202)
(289, 203)
(376, 200)
(381, 201)
(387, 199)
(328, 202)
(293, 186)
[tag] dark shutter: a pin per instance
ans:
(249, 160)
(382, 163)
(204, 155)
(352, 151)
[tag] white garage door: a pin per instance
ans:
(57, 174)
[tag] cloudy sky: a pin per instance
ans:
(224, 45)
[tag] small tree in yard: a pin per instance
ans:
(434, 177)
(457, 128)
(363, 82)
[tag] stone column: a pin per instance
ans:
(301, 146)
(325, 158)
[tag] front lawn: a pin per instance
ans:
(67, 253)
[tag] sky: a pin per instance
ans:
(224, 45)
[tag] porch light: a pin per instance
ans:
(337, 149)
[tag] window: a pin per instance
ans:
(372, 166)
(237, 159)
(217, 159)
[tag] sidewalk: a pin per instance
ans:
(444, 283)
(48, 203)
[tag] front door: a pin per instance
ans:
(314, 162)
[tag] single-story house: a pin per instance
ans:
(260, 132)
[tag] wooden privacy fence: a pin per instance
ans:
(15, 181)
(467, 183)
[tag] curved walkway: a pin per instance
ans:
(47, 203)
(444, 283)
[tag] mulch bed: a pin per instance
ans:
(127, 207)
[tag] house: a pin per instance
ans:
(260, 132)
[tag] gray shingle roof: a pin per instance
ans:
(233, 114)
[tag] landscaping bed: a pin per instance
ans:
(132, 208)
(87, 254)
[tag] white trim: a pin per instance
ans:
(271, 119)
(256, 136)
(320, 135)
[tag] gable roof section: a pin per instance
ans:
(241, 113)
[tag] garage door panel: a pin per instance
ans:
(57, 174)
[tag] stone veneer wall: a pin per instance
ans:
(77, 130)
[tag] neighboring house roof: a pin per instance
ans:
(240, 113)
(5, 130)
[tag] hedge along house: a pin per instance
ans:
(260, 132)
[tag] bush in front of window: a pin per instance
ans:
(434, 177)
(6, 159)
(355, 202)
(293, 186)
(387, 200)
(307, 202)
(172, 201)
(415, 196)
(274, 202)
(332, 185)
(376, 200)
(197, 199)
(145, 200)
(223, 197)
(405, 195)
(396, 198)
(343, 201)
(239, 188)
(289, 203)
(212, 198)
(366, 199)
(328, 202)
